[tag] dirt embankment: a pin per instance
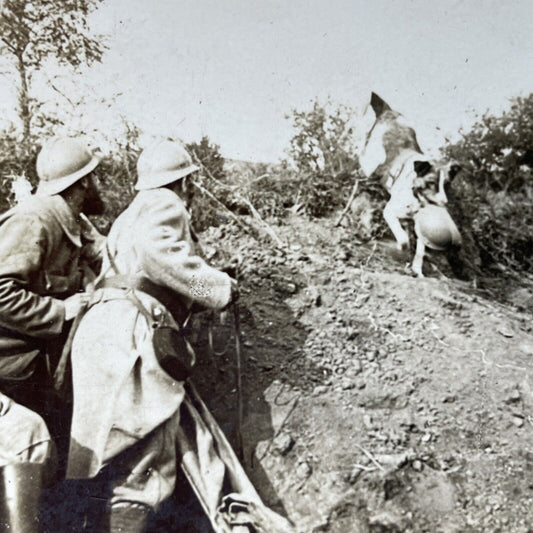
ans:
(376, 401)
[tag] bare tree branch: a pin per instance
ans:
(61, 93)
(9, 45)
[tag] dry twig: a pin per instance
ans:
(371, 457)
(248, 228)
(350, 200)
(234, 217)
(268, 229)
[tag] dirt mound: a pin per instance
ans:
(375, 401)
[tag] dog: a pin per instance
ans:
(414, 182)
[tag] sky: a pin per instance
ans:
(233, 69)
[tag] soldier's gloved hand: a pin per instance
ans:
(5, 404)
(234, 291)
(74, 304)
(233, 295)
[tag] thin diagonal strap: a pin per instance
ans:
(130, 293)
(111, 258)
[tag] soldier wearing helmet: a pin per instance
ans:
(46, 245)
(151, 278)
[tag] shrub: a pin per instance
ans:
(212, 176)
(496, 188)
(322, 152)
(115, 174)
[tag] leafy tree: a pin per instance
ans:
(34, 31)
(323, 153)
(496, 188)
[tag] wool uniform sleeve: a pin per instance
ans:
(167, 257)
(23, 245)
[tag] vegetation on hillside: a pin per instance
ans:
(323, 153)
(492, 197)
(496, 190)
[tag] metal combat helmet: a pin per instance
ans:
(163, 163)
(436, 228)
(61, 162)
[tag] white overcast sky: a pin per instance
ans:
(232, 69)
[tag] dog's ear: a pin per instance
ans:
(421, 168)
(378, 105)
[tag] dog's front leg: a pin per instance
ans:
(419, 257)
(391, 217)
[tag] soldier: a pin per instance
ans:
(126, 406)
(45, 246)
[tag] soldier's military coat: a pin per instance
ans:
(121, 394)
(44, 254)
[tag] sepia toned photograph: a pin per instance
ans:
(266, 266)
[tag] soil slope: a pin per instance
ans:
(375, 401)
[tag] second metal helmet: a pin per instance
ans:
(435, 227)
(163, 163)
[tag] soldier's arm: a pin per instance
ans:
(168, 259)
(23, 245)
(93, 245)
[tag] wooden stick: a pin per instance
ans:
(371, 457)
(209, 174)
(253, 210)
(234, 217)
(238, 372)
(268, 228)
(352, 196)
